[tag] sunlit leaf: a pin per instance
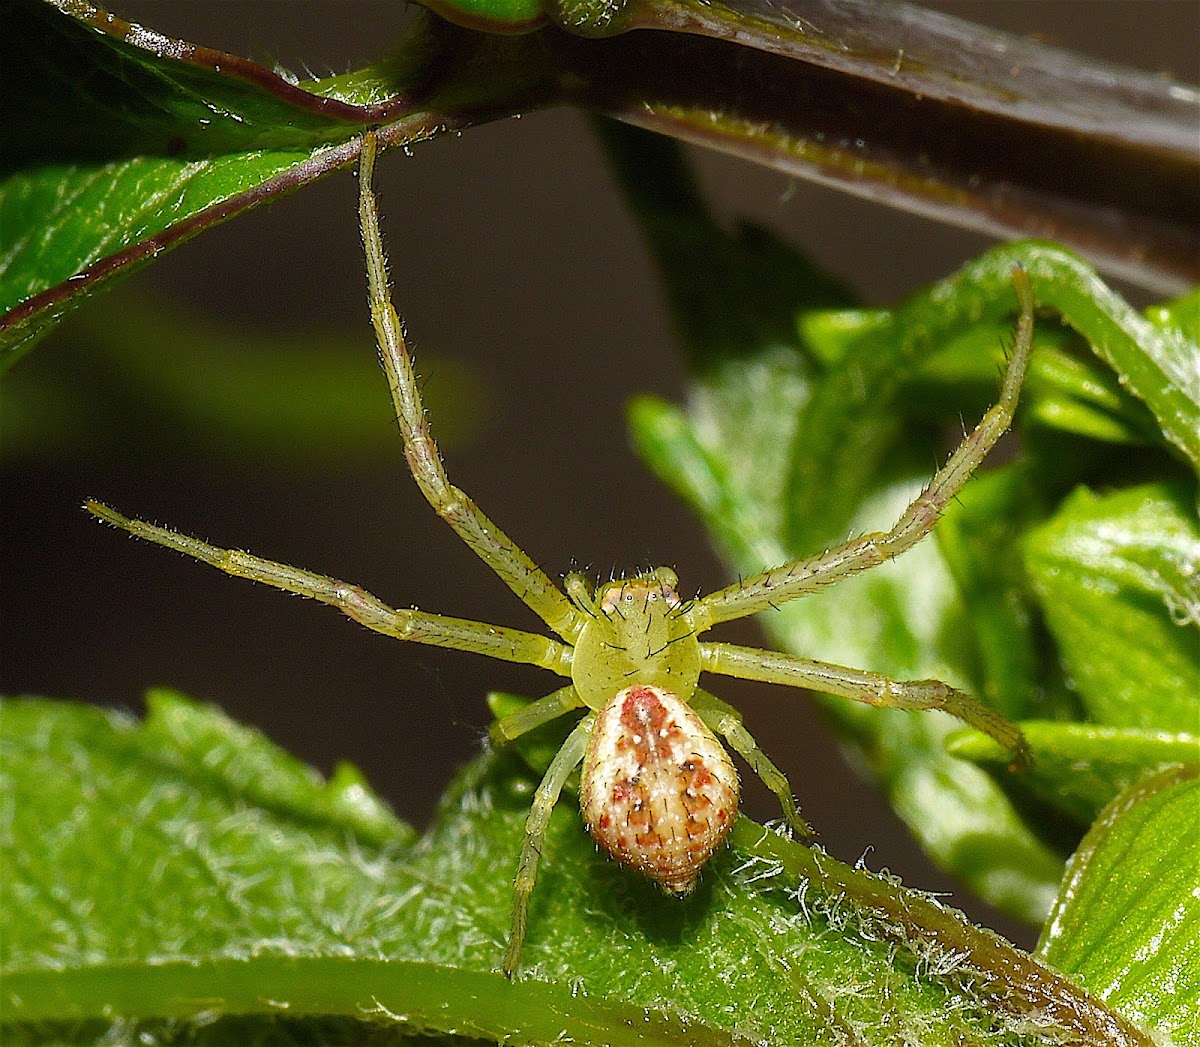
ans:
(1118, 579)
(1127, 921)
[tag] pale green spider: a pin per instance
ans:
(657, 790)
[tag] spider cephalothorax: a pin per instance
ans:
(658, 790)
(636, 630)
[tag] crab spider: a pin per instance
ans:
(658, 791)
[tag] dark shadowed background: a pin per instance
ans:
(515, 264)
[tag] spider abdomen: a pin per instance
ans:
(658, 792)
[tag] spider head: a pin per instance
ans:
(652, 592)
(654, 589)
(636, 633)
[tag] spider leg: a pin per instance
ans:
(791, 580)
(535, 714)
(750, 663)
(489, 543)
(726, 721)
(510, 645)
(564, 762)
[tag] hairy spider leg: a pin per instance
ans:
(510, 645)
(535, 714)
(723, 719)
(564, 762)
(489, 543)
(790, 580)
(750, 663)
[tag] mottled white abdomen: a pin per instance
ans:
(658, 791)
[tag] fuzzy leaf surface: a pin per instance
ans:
(185, 869)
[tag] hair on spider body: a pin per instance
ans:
(658, 790)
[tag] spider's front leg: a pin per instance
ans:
(780, 584)
(451, 503)
(436, 630)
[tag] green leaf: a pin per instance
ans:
(1183, 313)
(843, 432)
(1159, 363)
(788, 446)
(979, 540)
(1079, 395)
(186, 869)
(1067, 388)
(170, 138)
(150, 144)
(124, 844)
(1127, 920)
(200, 741)
(1116, 576)
(1081, 767)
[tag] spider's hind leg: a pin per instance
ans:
(724, 720)
(544, 800)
